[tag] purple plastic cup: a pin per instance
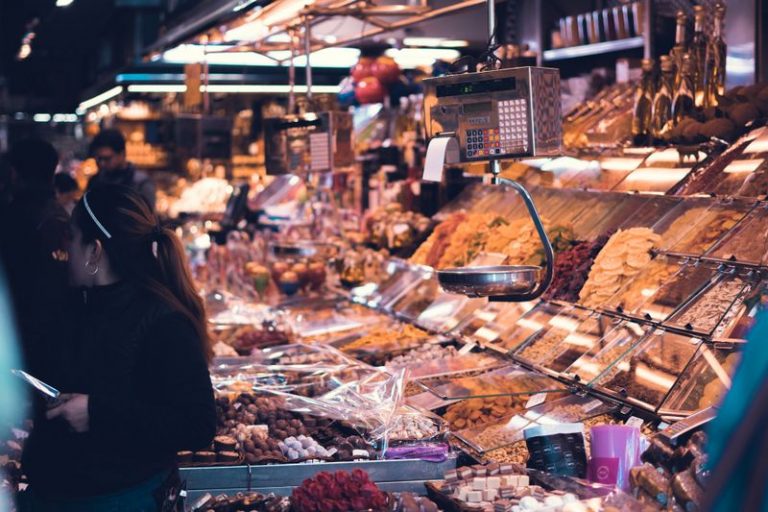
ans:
(615, 450)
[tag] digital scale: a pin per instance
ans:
(507, 113)
(308, 143)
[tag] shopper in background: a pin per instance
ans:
(738, 437)
(33, 232)
(132, 364)
(67, 191)
(108, 149)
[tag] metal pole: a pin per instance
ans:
(491, 5)
(307, 52)
(292, 75)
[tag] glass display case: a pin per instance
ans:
(652, 180)
(403, 277)
(737, 174)
(606, 175)
(507, 381)
(447, 366)
(630, 299)
(747, 242)
(595, 361)
(646, 373)
(577, 343)
(447, 311)
(672, 292)
(707, 309)
(705, 381)
(529, 324)
(567, 409)
(416, 300)
(545, 342)
(616, 217)
(717, 220)
(487, 324)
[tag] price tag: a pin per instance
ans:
(634, 421)
(592, 405)
(466, 349)
(535, 400)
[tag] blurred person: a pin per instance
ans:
(33, 232)
(67, 191)
(108, 150)
(11, 392)
(131, 360)
(738, 436)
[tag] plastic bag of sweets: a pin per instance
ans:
(557, 449)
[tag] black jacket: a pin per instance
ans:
(33, 236)
(129, 177)
(149, 393)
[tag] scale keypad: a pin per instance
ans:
(511, 136)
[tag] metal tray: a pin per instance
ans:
(490, 281)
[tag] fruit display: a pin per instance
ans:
(572, 269)
(619, 261)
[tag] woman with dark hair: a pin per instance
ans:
(132, 369)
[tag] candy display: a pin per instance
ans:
(339, 492)
(620, 260)
(480, 411)
(707, 311)
(247, 338)
(245, 502)
(387, 339)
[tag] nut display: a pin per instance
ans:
(387, 339)
(544, 345)
(423, 354)
(243, 502)
(624, 255)
(708, 310)
(412, 427)
(480, 411)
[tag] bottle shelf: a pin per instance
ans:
(587, 50)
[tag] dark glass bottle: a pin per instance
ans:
(699, 56)
(641, 119)
(661, 113)
(683, 104)
(716, 52)
(680, 48)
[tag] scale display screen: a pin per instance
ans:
(480, 87)
(478, 108)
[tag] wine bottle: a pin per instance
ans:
(661, 113)
(699, 56)
(641, 119)
(683, 104)
(716, 51)
(680, 48)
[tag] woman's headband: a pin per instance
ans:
(93, 217)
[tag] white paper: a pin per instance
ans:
(441, 150)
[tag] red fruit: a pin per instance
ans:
(363, 69)
(369, 90)
(386, 70)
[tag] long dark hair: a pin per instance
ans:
(140, 250)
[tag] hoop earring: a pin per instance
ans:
(91, 272)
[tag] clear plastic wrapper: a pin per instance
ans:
(606, 351)
(706, 380)
(296, 354)
(529, 324)
(511, 380)
(747, 242)
(647, 372)
(708, 308)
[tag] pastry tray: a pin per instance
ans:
(508, 381)
(647, 373)
(705, 381)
